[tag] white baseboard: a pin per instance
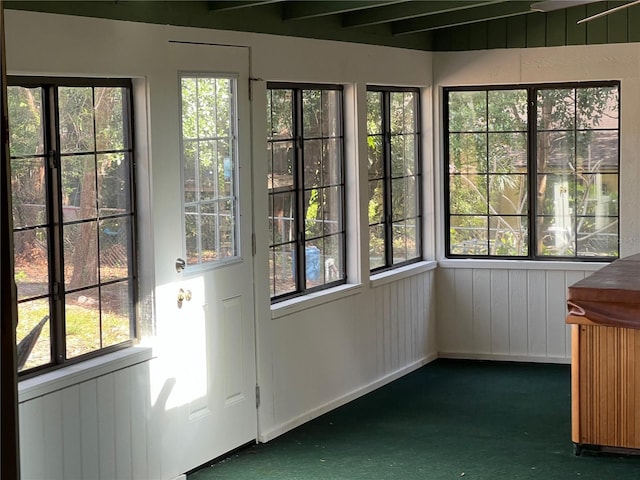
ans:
(504, 358)
(338, 402)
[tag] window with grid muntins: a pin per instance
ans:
(533, 171)
(73, 216)
(394, 177)
(306, 188)
(209, 160)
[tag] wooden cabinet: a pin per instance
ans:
(605, 386)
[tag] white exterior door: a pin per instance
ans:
(206, 395)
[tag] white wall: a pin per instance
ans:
(516, 310)
(313, 354)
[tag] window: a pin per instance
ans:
(533, 171)
(306, 188)
(73, 215)
(209, 159)
(393, 138)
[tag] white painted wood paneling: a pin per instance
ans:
(325, 367)
(32, 440)
(71, 433)
(511, 314)
(90, 458)
(52, 428)
(499, 319)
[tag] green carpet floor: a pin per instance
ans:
(451, 419)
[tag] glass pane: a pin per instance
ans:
(192, 233)
(115, 248)
(598, 237)
(224, 123)
(555, 236)
(398, 198)
(468, 194)
(598, 107)
(507, 110)
(75, 109)
(81, 255)
(116, 313)
(312, 161)
(207, 103)
(189, 155)
(398, 151)
(209, 232)
(556, 152)
(226, 170)
(597, 151)
(467, 111)
(468, 235)
(29, 192)
(282, 269)
(597, 195)
(31, 269)
(556, 195)
(467, 153)
(280, 114)
(556, 109)
(399, 246)
(109, 118)
(507, 152)
(226, 229)
(79, 188)
(281, 166)
(411, 154)
(332, 210)
(82, 322)
(114, 187)
(374, 113)
(376, 202)
(189, 107)
(332, 161)
(412, 235)
(412, 200)
(313, 213)
(206, 173)
(25, 121)
(508, 194)
(323, 261)
(321, 113)
(376, 169)
(376, 246)
(403, 112)
(33, 334)
(331, 113)
(405, 243)
(509, 236)
(282, 217)
(313, 265)
(312, 113)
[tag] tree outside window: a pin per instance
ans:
(306, 188)
(72, 187)
(394, 177)
(533, 171)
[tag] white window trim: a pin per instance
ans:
(75, 374)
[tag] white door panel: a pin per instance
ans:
(207, 340)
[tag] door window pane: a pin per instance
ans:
(209, 165)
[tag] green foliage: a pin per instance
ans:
(500, 116)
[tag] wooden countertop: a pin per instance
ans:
(609, 296)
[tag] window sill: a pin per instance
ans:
(81, 372)
(522, 265)
(311, 300)
(396, 274)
